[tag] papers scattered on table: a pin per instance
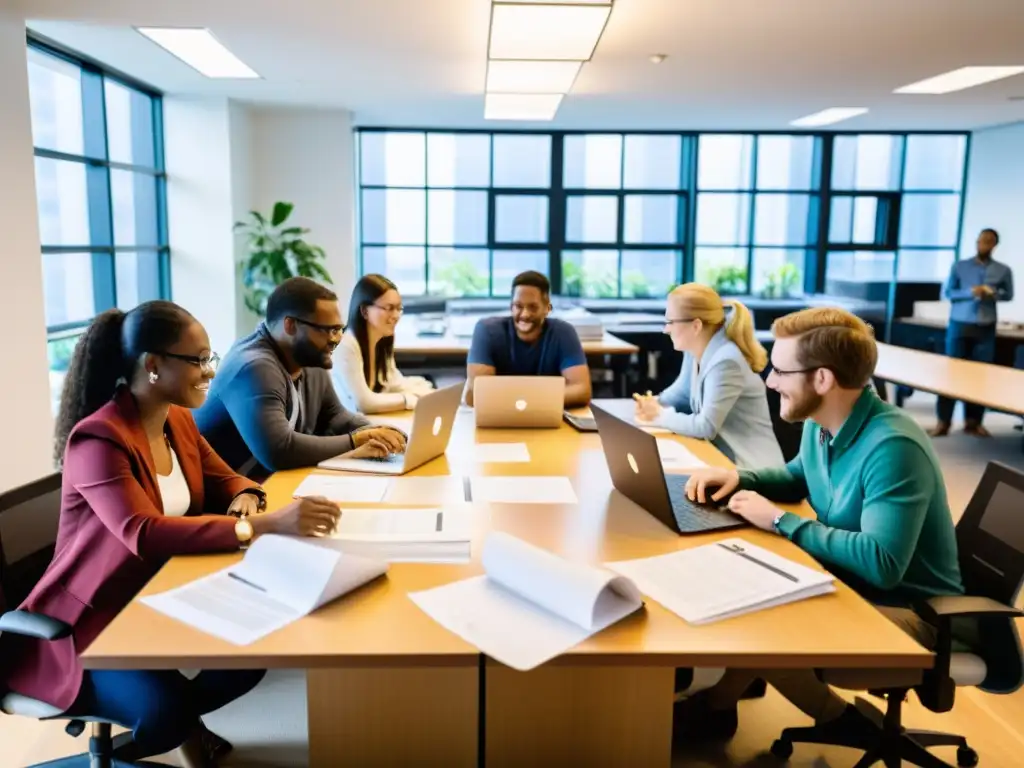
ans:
(522, 490)
(280, 579)
(436, 490)
(501, 453)
(721, 580)
(675, 455)
(531, 605)
(405, 535)
(344, 489)
(364, 490)
(625, 409)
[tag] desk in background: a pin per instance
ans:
(387, 686)
(929, 335)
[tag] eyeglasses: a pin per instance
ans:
(330, 330)
(391, 309)
(205, 364)
(674, 320)
(779, 372)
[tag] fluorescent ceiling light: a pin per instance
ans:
(200, 50)
(959, 79)
(531, 76)
(552, 2)
(828, 116)
(521, 106)
(546, 32)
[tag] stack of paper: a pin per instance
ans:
(405, 535)
(675, 455)
(280, 579)
(531, 606)
(589, 326)
(721, 580)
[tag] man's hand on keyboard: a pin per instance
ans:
(371, 449)
(393, 438)
(702, 481)
(755, 509)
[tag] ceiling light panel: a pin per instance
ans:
(199, 49)
(960, 79)
(828, 116)
(552, 2)
(521, 106)
(546, 32)
(531, 76)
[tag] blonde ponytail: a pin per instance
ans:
(739, 329)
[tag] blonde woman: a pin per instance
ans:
(719, 395)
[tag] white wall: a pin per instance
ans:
(306, 157)
(240, 124)
(995, 198)
(198, 157)
(27, 434)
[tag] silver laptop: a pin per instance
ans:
(518, 401)
(431, 428)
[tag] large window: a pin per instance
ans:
(633, 214)
(100, 190)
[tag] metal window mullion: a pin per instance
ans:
(557, 214)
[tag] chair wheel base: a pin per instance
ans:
(966, 757)
(782, 749)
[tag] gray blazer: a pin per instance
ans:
(725, 403)
(246, 417)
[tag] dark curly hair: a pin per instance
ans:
(108, 352)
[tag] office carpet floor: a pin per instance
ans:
(268, 726)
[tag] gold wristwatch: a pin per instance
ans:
(244, 532)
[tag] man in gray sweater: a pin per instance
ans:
(272, 405)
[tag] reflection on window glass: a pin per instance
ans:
(457, 218)
(785, 162)
(724, 162)
(648, 274)
(459, 271)
(405, 267)
(592, 273)
(55, 95)
(593, 161)
(63, 202)
(651, 219)
(925, 266)
(935, 162)
(591, 219)
(394, 216)
(393, 159)
(521, 218)
(133, 199)
(653, 162)
(867, 162)
(60, 348)
(723, 219)
(858, 267)
(68, 288)
(783, 220)
(778, 272)
(929, 220)
(522, 160)
(508, 264)
(724, 269)
(129, 125)
(458, 160)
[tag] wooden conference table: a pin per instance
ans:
(388, 686)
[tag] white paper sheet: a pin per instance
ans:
(501, 453)
(435, 490)
(675, 455)
(531, 606)
(722, 580)
(341, 488)
(625, 409)
(406, 535)
(522, 490)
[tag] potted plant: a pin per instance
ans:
(781, 282)
(729, 280)
(276, 253)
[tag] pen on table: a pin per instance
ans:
(737, 550)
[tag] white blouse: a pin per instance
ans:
(174, 490)
(399, 392)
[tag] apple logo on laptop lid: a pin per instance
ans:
(520, 405)
(632, 464)
(438, 423)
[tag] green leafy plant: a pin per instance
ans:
(460, 278)
(276, 253)
(577, 280)
(781, 282)
(635, 285)
(728, 280)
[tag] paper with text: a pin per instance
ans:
(341, 488)
(625, 408)
(721, 580)
(547, 489)
(501, 453)
(280, 579)
(675, 455)
(406, 535)
(531, 605)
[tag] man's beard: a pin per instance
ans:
(308, 355)
(800, 409)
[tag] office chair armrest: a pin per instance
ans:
(940, 610)
(34, 625)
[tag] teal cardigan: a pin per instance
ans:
(882, 514)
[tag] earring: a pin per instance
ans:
(153, 377)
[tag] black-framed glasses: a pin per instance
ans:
(392, 309)
(205, 364)
(780, 372)
(330, 330)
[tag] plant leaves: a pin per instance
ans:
(281, 212)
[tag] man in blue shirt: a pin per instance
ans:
(529, 344)
(973, 288)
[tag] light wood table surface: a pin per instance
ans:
(994, 386)
(387, 686)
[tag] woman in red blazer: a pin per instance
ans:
(140, 485)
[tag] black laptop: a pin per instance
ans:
(635, 467)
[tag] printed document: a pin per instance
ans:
(675, 455)
(531, 605)
(405, 535)
(625, 408)
(501, 453)
(547, 489)
(355, 490)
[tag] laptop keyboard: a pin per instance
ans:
(391, 458)
(692, 516)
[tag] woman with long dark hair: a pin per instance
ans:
(140, 485)
(365, 374)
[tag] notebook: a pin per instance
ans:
(406, 535)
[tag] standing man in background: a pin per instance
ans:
(973, 288)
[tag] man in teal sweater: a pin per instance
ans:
(869, 472)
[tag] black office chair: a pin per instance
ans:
(990, 538)
(28, 531)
